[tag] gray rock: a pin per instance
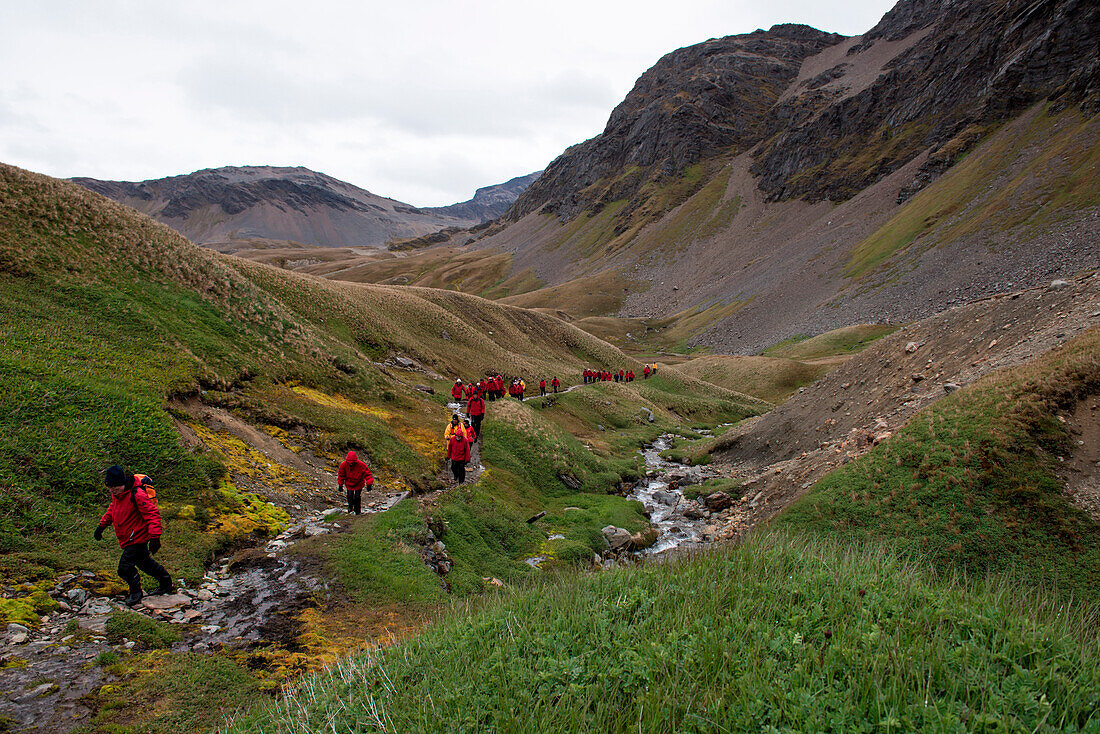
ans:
(665, 498)
(717, 502)
(331, 511)
(166, 601)
(912, 347)
(950, 387)
(617, 538)
(14, 629)
(77, 596)
(1057, 285)
(19, 638)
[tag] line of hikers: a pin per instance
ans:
(492, 388)
(620, 376)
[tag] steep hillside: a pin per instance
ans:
(947, 154)
(227, 207)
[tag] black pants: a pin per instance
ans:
(458, 470)
(355, 501)
(136, 557)
(475, 423)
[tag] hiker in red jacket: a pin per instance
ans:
(458, 451)
(456, 390)
(542, 387)
(136, 519)
(352, 476)
(645, 372)
(555, 383)
(475, 408)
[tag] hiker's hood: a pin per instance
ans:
(352, 457)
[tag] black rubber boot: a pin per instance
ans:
(166, 587)
(135, 592)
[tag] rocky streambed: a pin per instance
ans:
(48, 673)
(678, 522)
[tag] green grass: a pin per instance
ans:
(842, 341)
(778, 634)
(147, 632)
(178, 694)
(732, 487)
(971, 482)
(379, 560)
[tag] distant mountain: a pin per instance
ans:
(220, 206)
(489, 202)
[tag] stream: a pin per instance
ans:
(666, 504)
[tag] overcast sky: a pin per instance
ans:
(422, 101)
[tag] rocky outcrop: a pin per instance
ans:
(972, 64)
(694, 103)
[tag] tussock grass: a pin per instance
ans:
(783, 633)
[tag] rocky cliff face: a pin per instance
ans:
(695, 102)
(932, 75)
(489, 202)
(963, 66)
(220, 205)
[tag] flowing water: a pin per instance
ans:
(666, 505)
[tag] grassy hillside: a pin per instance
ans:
(972, 482)
(108, 315)
(778, 634)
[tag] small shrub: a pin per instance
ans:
(146, 632)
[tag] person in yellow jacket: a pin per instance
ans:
(455, 426)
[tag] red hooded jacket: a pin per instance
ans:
(354, 474)
(136, 518)
(456, 391)
(475, 406)
(459, 448)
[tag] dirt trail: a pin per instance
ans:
(782, 453)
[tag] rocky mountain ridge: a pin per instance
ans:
(219, 206)
(488, 202)
(694, 103)
(948, 154)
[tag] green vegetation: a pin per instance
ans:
(843, 341)
(106, 315)
(778, 634)
(1044, 180)
(146, 632)
(178, 694)
(379, 560)
(732, 487)
(971, 483)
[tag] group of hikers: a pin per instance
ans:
(492, 388)
(135, 516)
(603, 375)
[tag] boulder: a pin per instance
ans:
(717, 502)
(77, 596)
(425, 388)
(950, 387)
(912, 347)
(617, 538)
(648, 415)
(665, 498)
(643, 538)
(1057, 285)
(166, 601)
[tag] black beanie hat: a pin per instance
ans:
(115, 477)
